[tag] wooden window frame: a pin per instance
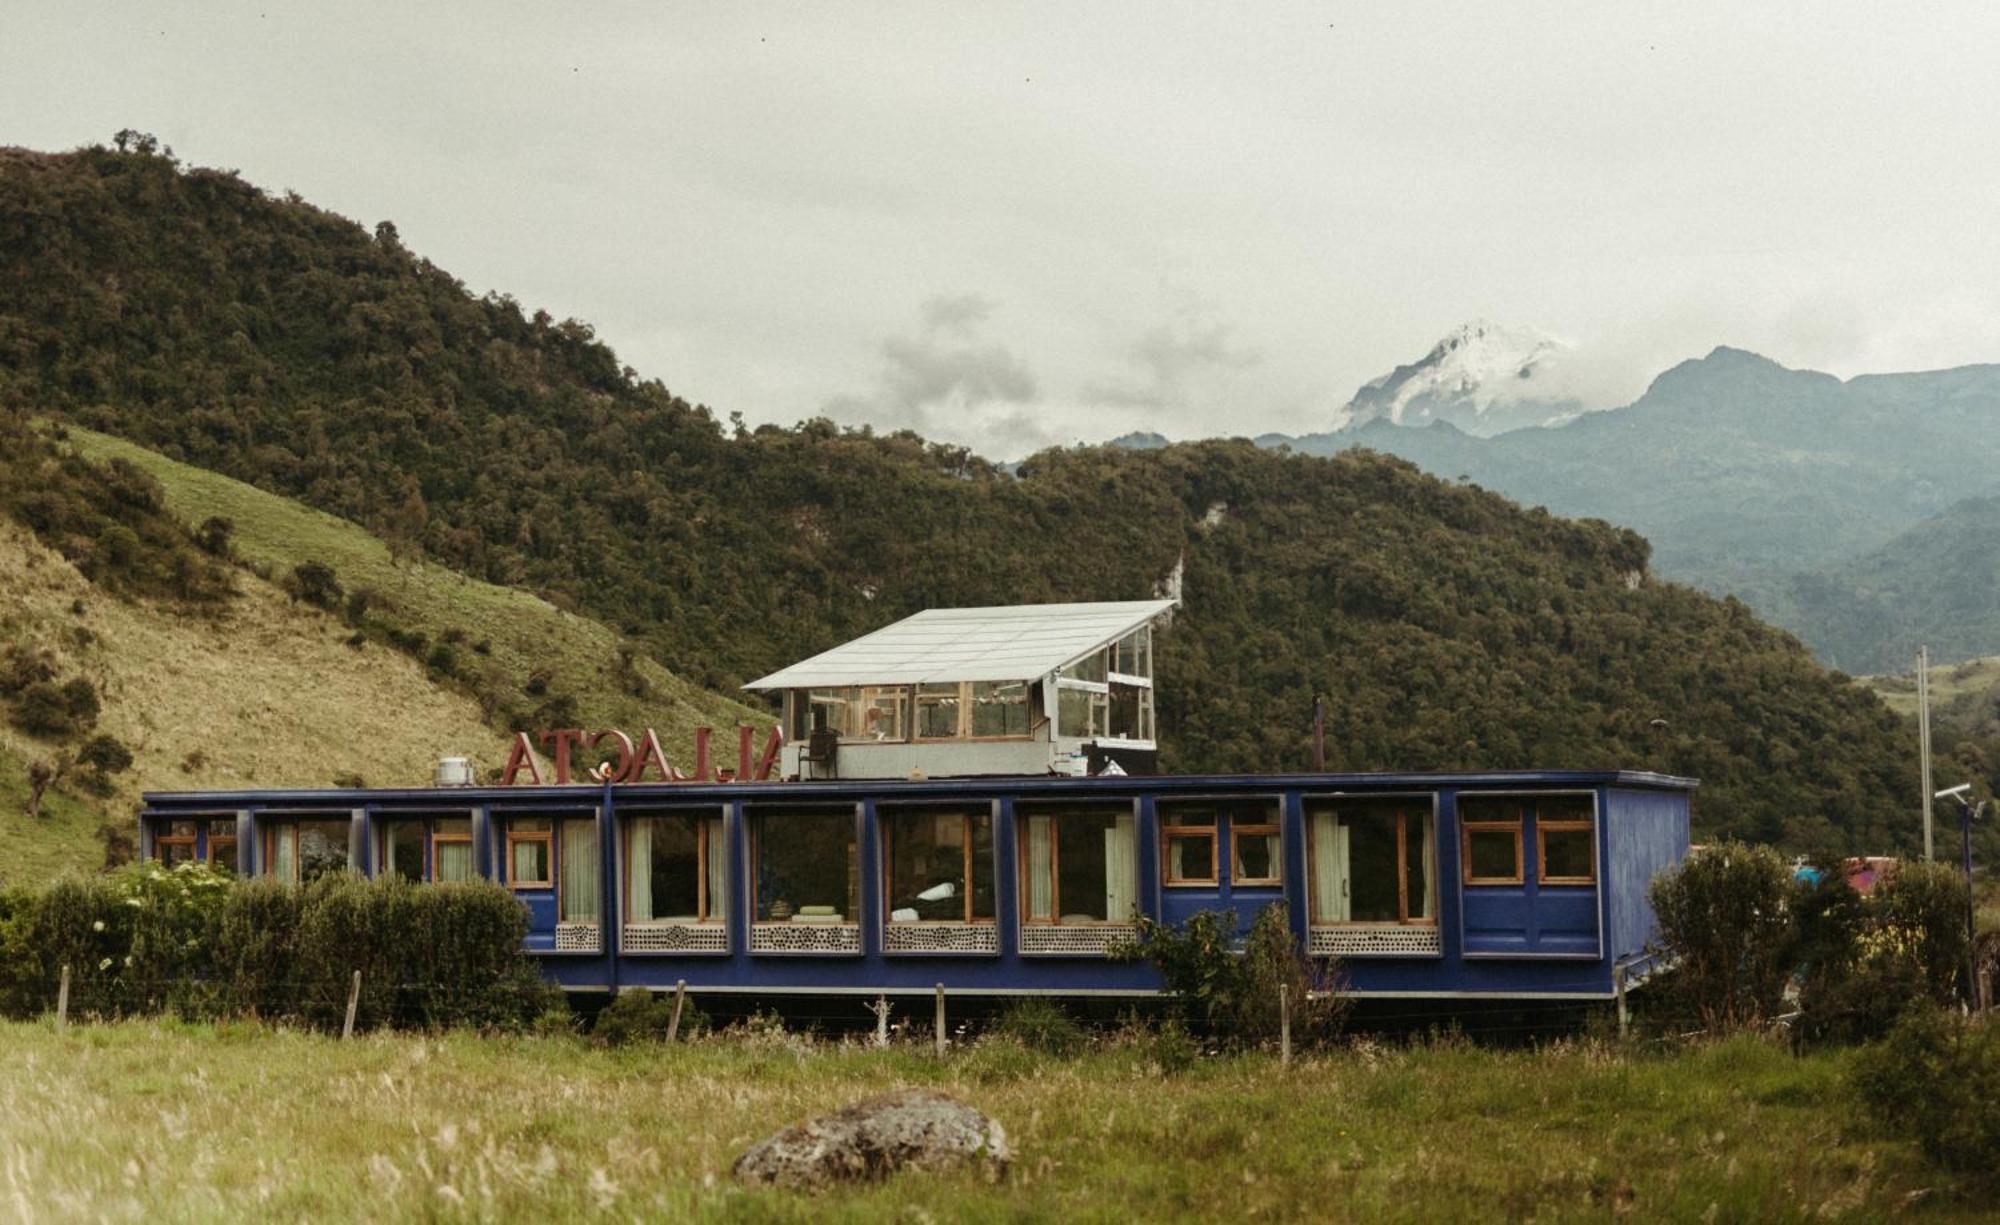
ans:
(171, 839)
(1169, 830)
(1403, 816)
(704, 915)
(1568, 825)
(211, 838)
(1278, 861)
(547, 838)
(1468, 828)
(433, 840)
(884, 821)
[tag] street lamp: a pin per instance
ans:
(1968, 812)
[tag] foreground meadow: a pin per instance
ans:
(164, 1121)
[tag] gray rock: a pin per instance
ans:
(915, 1128)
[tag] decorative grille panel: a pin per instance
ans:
(805, 938)
(1094, 940)
(941, 938)
(579, 938)
(1374, 942)
(676, 938)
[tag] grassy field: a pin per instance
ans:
(1953, 686)
(164, 1121)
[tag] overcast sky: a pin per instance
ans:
(1019, 225)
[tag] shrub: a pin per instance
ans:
(1232, 993)
(314, 583)
(639, 1015)
(1040, 1024)
(213, 535)
(41, 711)
(103, 756)
(1921, 909)
(1937, 1077)
(1725, 915)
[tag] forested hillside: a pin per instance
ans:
(288, 347)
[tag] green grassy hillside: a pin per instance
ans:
(508, 646)
(294, 350)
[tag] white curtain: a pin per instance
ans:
(454, 860)
(1121, 869)
(640, 870)
(284, 853)
(718, 871)
(1041, 868)
(1329, 874)
(579, 872)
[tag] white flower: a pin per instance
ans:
(128, 961)
(98, 926)
(105, 964)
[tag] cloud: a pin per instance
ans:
(1177, 363)
(946, 381)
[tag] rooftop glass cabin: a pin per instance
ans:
(1025, 689)
(1494, 886)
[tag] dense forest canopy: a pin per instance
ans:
(286, 346)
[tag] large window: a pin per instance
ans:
(980, 710)
(856, 713)
(676, 868)
(1079, 865)
(1373, 861)
(940, 865)
(427, 848)
(1108, 694)
(806, 865)
(304, 851)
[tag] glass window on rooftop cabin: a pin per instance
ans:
(1133, 654)
(855, 713)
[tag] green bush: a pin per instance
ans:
(1040, 1024)
(147, 939)
(1937, 1077)
(1232, 993)
(639, 1015)
(1726, 917)
(1921, 919)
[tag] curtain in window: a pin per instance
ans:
(718, 870)
(1329, 874)
(284, 853)
(454, 860)
(639, 872)
(1121, 869)
(1041, 868)
(579, 872)
(1429, 851)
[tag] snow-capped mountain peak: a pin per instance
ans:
(1482, 377)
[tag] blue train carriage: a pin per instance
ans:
(1517, 885)
(967, 797)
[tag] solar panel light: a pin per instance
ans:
(1961, 789)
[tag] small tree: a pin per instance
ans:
(1726, 918)
(1920, 907)
(314, 583)
(1232, 991)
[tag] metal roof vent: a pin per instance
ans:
(454, 772)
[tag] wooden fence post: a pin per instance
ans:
(680, 999)
(940, 1020)
(353, 1002)
(1285, 1023)
(62, 1000)
(1618, 990)
(881, 1010)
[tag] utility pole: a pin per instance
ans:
(1924, 737)
(1319, 734)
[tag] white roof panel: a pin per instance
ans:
(1015, 642)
